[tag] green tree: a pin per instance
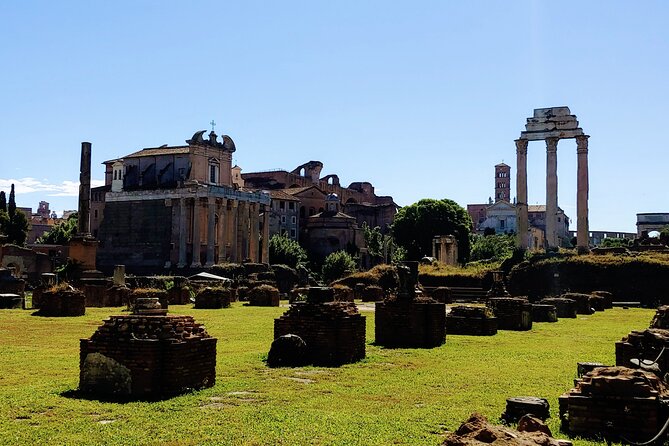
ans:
(62, 233)
(379, 246)
(337, 265)
(11, 207)
(15, 228)
(610, 242)
(416, 225)
(285, 251)
(3, 201)
(492, 247)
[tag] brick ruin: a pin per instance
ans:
(214, 298)
(544, 313)
(513, 313)
(471, 320)
(616, 402)
(62, 302)
(150, 353)
(264, 296)
(334, 332)
(405, 321)
(651, 346)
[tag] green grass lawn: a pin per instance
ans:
(394, 396)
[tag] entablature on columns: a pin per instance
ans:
(199, 191)
(552, 122)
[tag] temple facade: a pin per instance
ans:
(178, 206)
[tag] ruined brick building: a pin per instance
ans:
(177, 206)
(318, 211)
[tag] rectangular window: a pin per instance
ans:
(291, 206)
(293, 220)
(292, 233)
(282, 205)
(283, 219)
(212, 173)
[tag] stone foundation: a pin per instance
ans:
(264, 296)
(648, 345)
(11, 301)
(471, 320)
(372, 293)
(566, 308)
(213, 298)
(544, 313)
(608, 298)
(583, 302)
(62, 303)
(513, 313)
(614, 402)
(410, 324)
(163, 355)
(334, 332)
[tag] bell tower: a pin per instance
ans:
(502, 183)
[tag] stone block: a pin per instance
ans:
(410, 324)
(551, 111)
(512, 313)
(471, 320)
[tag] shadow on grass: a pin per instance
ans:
(77, 394)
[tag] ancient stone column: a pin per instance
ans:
(232, 235)
(183, 233)
(521, 193)
(119, 275)
(197, 242)
(582, 188)
(254, 231)
(84, 223)
(265, 234)
(242, 230)
(222, 206)
(551, 192)
(211, 227)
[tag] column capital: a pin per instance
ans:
(521, 146)
(551, 144)
(582, 143)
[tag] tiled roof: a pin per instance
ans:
(156, 151)
(299, 190)
(279, 194)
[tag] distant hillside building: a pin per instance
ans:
(177, 206)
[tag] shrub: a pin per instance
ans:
(384, 276)
(285, 251)
(337, 265)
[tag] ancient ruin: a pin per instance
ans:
(551, 125)
(213, 298)
(513, 313)
(334, 332)
(544, 313)
(147, 354)
(471, 320)
(407, 321)
(62, 301)
(618, 403)
(564, 307)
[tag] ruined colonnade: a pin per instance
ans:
(551, 125)
(222, 229)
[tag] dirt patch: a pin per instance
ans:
(477, 430)
(300, 380)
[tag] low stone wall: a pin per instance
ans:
(342, 293)
(11, 301)
(512, 313)
(544, 313)
(264, 296)
(608, 298)
(566, 308)
(471, 320)
(583, 302)
(372, 293)
(410, 324)
(62, 303)
(334, 332)
(213, 298)
(647, 344)
(162, 355)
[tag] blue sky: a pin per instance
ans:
(420, 98)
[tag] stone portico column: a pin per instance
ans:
(232, 234)
(182, 233)
(196, 242)
(265, 234)
(222, 207)
(211, 227)
(242, 230)
(254, 231)
(582, 188)
(551, 192)
(521, 193)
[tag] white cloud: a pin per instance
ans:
(31, 185)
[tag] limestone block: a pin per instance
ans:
(551, 111)
(101, 375)
(561, 134)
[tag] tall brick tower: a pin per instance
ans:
(502, 183)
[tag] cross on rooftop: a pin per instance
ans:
(213, 124)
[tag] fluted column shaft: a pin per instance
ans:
(197, 242)
(521, 192)
(254, 231)
(582, 191)
(182, 233)
(211, 226)
(233, 230)
(551, 192)
(222, 207)
(265, 234)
